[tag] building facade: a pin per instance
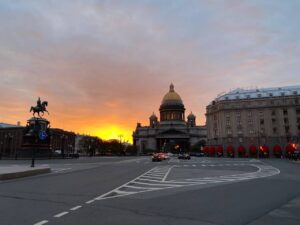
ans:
(11, 140)
(171, 132)
(248, 121)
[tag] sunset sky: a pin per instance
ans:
(103, 66)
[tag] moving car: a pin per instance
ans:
(157, 157)
(184, 156)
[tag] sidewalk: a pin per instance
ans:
(8, 172)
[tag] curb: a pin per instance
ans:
(15, 175)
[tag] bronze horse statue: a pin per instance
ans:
(40, 108)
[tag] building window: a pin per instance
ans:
(239, 120)
(287, 129)
(286, 120)
(261, 113)
(250, 121)
(251, 131)
(240, 140)
(285, 112)
(274, 130)
(298, 111)
(273, 113)
(262, 121)
(227, 122)
(273, 120)
(249, 113)
(229, 132)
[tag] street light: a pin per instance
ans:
(8, 139)
(120, 136)
(1, 149)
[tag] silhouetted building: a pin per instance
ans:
(11, 139)
(171, 132)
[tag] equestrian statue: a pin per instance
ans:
(39, 108)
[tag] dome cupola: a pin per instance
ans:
(191, 120)
(172, 108)
(172, 98)
(153, 120)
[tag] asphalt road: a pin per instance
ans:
(129, 190)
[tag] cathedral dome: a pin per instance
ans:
(153, 117)
(172, 98)
(191, 116)
(172, 108)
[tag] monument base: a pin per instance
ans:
(36, 139)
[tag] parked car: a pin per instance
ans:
(184, 156)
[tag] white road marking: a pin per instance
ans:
(90, 201)
(60, 214)
(60, 170)
(167, 174)
(76, 208)
(42, 222)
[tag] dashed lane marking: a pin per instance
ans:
(156, 179)
(76, 208)
(42, 222)
(61, 170)
(60, 214)
(90, 201)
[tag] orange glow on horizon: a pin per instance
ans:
(113, 132)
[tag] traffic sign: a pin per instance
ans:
(42, 135)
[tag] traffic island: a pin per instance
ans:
(14, 172)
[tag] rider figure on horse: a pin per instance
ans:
(39, 103)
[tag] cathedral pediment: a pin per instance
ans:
(172, 132)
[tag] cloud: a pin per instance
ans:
(102, 63)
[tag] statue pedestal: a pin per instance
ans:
(36, 139)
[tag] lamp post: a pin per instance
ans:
(120, 137)
(1, 149)
(8, 142)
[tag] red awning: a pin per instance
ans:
(241, 149)
(212, 149)
(264, 148)
(277, 148)
(290, 147)
(230, 149)
(206, 149)
(252, 149)
(220, 149)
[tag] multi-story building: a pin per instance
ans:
(172, 132)
(266, 119)
(11, 139)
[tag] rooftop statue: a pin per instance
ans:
(39, 108)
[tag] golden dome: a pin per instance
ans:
(172, 96)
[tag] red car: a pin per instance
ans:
(156, 157)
